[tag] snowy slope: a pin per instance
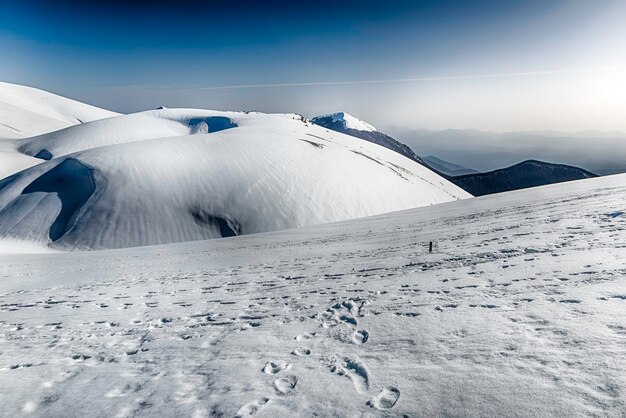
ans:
(349, 125)
(12, 161)
(25, 111)
(141, 126)
(175, 175)
(519, 311)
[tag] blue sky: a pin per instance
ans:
(494, 65)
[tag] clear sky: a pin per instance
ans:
(493, 65)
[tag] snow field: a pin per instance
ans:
(518, 312)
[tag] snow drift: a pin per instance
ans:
(175, 175)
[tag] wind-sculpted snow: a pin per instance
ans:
(25, 112)
(518, 311)
(72, 181)
(210, 124)
(175, 175)
(135, 127)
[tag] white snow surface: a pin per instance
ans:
(350, 122)
(12, 161)
(173, 175)
(8, 246)
(26, 111)
(519, 311)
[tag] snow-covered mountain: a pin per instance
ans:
(526, 174)
(174, 175)
(26, 111)
(518, 311)
(349, 125)
(529, 173)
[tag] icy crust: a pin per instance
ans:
(214, 174)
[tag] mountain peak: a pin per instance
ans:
(348, 124)
(348, 121)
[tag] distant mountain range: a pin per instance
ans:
(522, 175)
(600, 152)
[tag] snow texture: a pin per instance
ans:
(25, 112)
(175, 175)
(519, 311)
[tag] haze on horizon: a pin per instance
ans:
(489, 65)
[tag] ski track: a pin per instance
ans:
(518, 312)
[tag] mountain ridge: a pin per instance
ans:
(345, 123)
(525, 174)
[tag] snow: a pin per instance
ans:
(175, 175)
(142, 126)
(349, 121)
(11, 161)
(517, 312)
(25, 112)
(8, 246)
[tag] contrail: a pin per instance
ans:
(409, 80)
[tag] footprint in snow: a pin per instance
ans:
(273, 367)
(386, 399)
(251, 408)
(348, 319)
(360, 336)
(301, 352)
(305, 336)
(285, 384)
(354, 369)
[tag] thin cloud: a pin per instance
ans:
(410, 80)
